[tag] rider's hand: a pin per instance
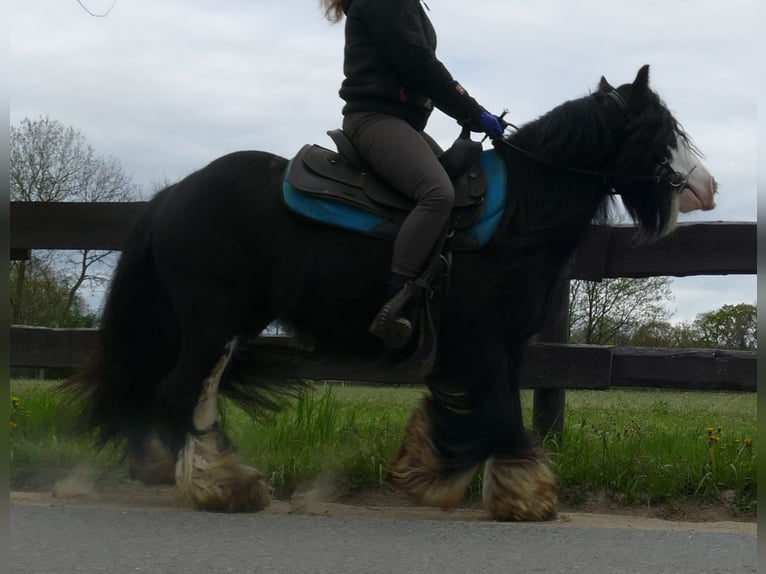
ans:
(491, 125)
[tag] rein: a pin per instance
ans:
(676, 179)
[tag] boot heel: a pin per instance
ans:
(395, 332)
(389, 326)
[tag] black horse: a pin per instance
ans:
(216, 258)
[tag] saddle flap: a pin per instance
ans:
(320, 171)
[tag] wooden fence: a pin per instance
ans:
(552, 366)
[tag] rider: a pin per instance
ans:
(393, 80)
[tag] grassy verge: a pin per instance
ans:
(645, 447)
(636, 447)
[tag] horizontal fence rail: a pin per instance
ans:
(546, 365)
(717, 248)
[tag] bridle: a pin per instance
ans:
(663, 172)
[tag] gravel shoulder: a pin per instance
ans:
(388, 505)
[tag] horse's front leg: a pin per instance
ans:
(421, 469)
(209, 472)
(473, 416)
(519, 483)
(448, 435)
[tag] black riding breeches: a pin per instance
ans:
(407, 160)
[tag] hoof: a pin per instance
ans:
(211, 476)
(418, 470)
(520, 489)
(152, 463)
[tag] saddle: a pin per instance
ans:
(337, 188)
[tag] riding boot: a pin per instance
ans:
(395, 322)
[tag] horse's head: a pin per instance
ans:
(659, 171)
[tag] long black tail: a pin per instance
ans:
(138, 344)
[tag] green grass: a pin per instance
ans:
(348, 433)
(655, 446)
(43, 445)
(637, 447)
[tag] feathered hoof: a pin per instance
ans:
(520, 489)
(152, 463)
(211, 476)
(417, 469)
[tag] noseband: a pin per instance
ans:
(663, 172)
(675, 179)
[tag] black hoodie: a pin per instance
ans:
(391, 66)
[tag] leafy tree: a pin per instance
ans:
(46, 301)
(52, 162)
(729, 327)
(664, 334)
(609, 312)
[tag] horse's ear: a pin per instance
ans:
(641, 83)
(604, 86)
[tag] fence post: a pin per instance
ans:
(549, 404)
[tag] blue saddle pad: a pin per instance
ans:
(352, 218)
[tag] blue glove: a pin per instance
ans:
(490, 125)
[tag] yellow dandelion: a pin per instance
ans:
(720, 430)
(13, 424)
(709, 430)
(748, 442)
(737, 441)
(15, 402)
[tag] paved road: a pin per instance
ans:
(65, 539)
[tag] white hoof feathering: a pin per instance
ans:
(212, 477)
(417, 468)
(520, 489)
(209, 473)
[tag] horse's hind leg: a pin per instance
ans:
(151, 461)
(209, 473)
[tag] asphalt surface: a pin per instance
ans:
(64, 539)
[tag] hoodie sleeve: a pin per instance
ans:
(397, 29)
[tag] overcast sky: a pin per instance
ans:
(166, 86)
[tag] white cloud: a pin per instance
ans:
(695, 295)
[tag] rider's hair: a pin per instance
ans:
(333, 10)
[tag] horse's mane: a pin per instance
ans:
(577, 135)
(567, 135)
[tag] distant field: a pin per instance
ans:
(633, 446)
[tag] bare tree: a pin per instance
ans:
(606, 312)
(52, 162)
